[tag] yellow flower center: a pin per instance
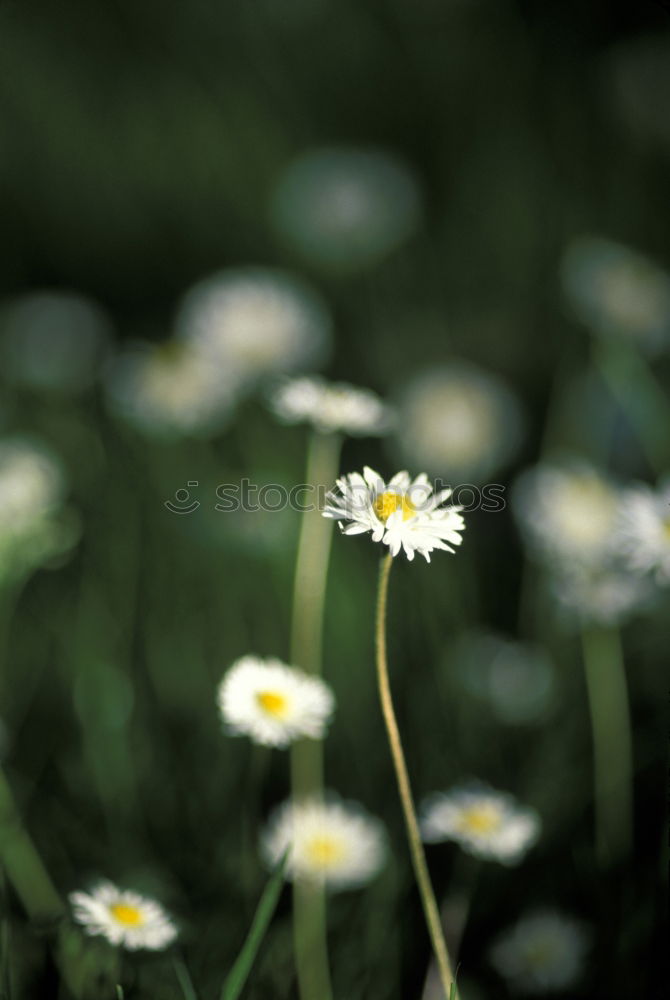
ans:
(389, 502)
(272, 703)
(324, 851)
(480, 819)
(126, 914)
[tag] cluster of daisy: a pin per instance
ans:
(35, 524)
(604, 544)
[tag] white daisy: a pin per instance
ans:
(644, 530)
(255, 322)
(543, 953)
(331, 406)
(402, 513)
(273, 703)
(345, 209)
(618, 292)
(605, 595)
(123, 917)
(486, 823)
(568, 512)
(53, 340)
(169, 390)
(333, 843)
(461, 419)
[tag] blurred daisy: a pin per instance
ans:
(33, 524)
(604, 595)
(333, 843)
(567, 512)
(169, 390)
(125, 918)
(53, 340)
(331, 406)
(543, 953)
(402, 513)
(618, 292)
(272, 703)
(256, 322)
(345, 208)
(486, 823)
(459, 420)
(644, 530)
(638, 85)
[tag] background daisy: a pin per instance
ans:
(123, 917)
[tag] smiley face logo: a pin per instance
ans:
(182, 503)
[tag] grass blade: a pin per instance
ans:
(237, 977)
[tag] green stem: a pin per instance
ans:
(417, 853)
(309, 594)
(184, 979)
(612, 743)
(23, 864)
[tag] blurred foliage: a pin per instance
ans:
(140, 143)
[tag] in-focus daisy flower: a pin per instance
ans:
(169, 390)
(345, 208)
(604, 595)
(618, 292)
(567, 512)
(486, 823)
(256, 322)
(33, 527)
(516, 680)
(123, 917)
(53, 341)
(333, 843)
(403, 513)
(543, 953)
(331, 406)
(273, 703)
(644, 530)
(459, 419)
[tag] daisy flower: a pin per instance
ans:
(255, 322)
(486, 823)
(568, 512)
(345, 209)
(169, 390)
(543, 953)
(618, 292)
(605, 595)
(460, 418)
(333, 843)
(123, 917)
(402, 513)
(53, 340)
(644, 530)
(331, 406)
(273, 703)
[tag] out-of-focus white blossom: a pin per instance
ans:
(459, 422)
(33, 524)
(123, 917)
(169, 390)
(255, 322)
(644, 530)
(485, 822)
(618, 292)
(344, 209)
(543, 953)
(331, 406)
(53, 340)
(602, 595)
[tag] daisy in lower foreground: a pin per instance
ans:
(273, 703)
(543, 953)
(333, 843)
(486, 823)
(403, 513)
(123, 917)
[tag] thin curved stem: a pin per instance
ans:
(413, 835)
